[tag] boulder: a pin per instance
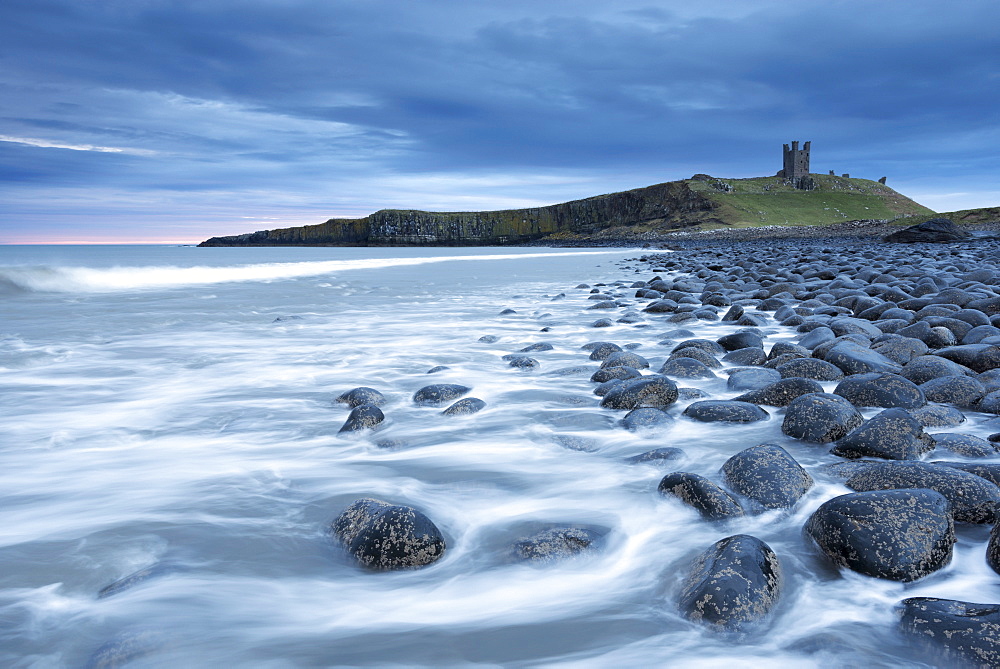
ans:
(938, 416)
(555, 544)
(901, 535)
(935, 230)
(439, 393)
(363, 395)
(625, 359)
(880, 390)
(383, 536)
(926, 367)
(686, 368)
(893, 434)
(752, 378)
(852, 358)
(768, 475)
(962, 391)
(465, 407)
(733, 585)
(820, 417)
(645, 418)
(973, 499)
(363, 417)
(725, 411)
(696, 491)
(657, 456)
(658, 392)
(602, 349)
(810, 368)
(962, 633)
(965, 445)
(781, 393)
(623, 372)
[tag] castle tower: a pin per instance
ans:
(795, 162)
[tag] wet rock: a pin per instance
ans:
(738, 340)
(899, 349)
(625, 359)
(604, 304)
(657, 392)
(892, 434)
(132, 580)
(383, 536)
(768, 475)
(125, 648)
(781, 393)
(820, 417)
(602, 323)
(439, 393)
(725, 411)
(973, 499)
(436, 369)
(645, 418)
(661, 307)
(901, 535)
(623, 372)
(962, 391)
(926, 367)
(746, 356)
(977, 357)
(555, 544)
(465, 407)
(699, 355)
(602, 349)
(668, 454)
(507, 312)
(540, 346)
(963, 633)
(733, 585)
(522, 362)
(686, 368)
(362, 395)
(751, 379)
(993, 549)
(880, 390)
(576, 443)
(938, 416)
(364, 417)
(696, 491)
(853, 358)
(817, 336)
(965, 445)
(707, 345)
(935, 230)
(810, 368)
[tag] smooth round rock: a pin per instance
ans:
(938, 416)
(962, 391)
(880, 390)
(664, 455)
(810, 368)
(555, 544)
(465, 407)
(820, 418)
(364, 417)
(962, 633)
(768, 475)
(383, 536)
(602, 349)
(853, 358)
(686, 368)
(439, 393)
(624, 373)
(725, 411)
(363, 395)
(738, 340)
(645, 418)
(900, 535)
(697, 354)
(973, 499)
(696, 491)
(658, 392)
(746, 356)
(752, 378)
(733, 585)
(892, 434)
(781, 393)
(625, 359)
(926, 367)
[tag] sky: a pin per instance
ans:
(179, 120)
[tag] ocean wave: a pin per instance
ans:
(117, 279)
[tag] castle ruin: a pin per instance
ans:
(795, 165)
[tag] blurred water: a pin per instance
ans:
(172, 408)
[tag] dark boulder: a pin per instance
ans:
(810, 368)
(602, 349)
(623, 373)
(363, 395)
(555, 544)
(962, 391)
(465, 407)
(697, 354)
(686, 368)
(696, 491)
(987, 470)
(439, 393)
(521, 362)
(363, 417)
(935, 230)
(899, 349)
(892, 434)
(645, 418)
(781, 393)
(625, 359)
(901, 535)
(922, 369)
(707, 345)
(820, 417)
(880, 390)
(667, 454)
(383, 536)
(973, 499)
(963, 633)
(725, 411)
(852, 358)
(752, 378)
(977, 357)
(965, 445)
(658, 392)
(738, 340)
(938, 416)
(746, 356)
(733, 585)
(768, 475)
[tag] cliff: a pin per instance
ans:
(702, 202)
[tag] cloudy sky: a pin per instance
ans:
(176, 120)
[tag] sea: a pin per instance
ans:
(171, 461)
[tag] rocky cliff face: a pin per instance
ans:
(664, 206)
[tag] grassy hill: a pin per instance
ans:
(701, 202)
